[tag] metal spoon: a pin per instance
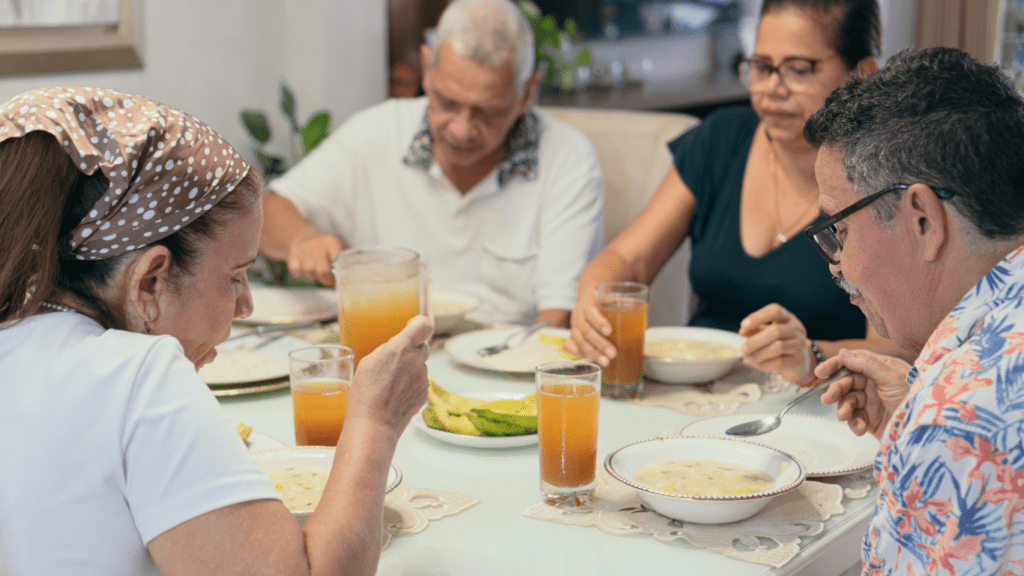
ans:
(522, 333)
(769, 423)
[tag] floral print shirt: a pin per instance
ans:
(522, 145)
(951, 462)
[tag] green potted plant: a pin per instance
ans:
(557, 53)
(302, 138)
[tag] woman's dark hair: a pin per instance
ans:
(44, 197)
(856, 25)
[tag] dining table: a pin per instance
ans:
(479, 510)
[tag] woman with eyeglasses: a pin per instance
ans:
(743, 188)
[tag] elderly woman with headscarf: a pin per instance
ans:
(127, 229)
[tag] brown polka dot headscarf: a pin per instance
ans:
(165, 167)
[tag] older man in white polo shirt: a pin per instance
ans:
(505, 201)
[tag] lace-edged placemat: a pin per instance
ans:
(408, 510)
(742, 385)
(772, 536)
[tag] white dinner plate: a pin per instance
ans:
(825, 447)
(238, 363)
(518, 360)
(477, 441)
(276, 304)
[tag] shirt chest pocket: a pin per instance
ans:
(510, 274)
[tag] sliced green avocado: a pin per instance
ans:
(526, 421)
(496, 428)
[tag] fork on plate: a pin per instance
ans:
(522, 333)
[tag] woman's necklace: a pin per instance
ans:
(781, 237)
(58, 307)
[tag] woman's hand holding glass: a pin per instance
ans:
(390, 384)
(777, 342)
(589, 331)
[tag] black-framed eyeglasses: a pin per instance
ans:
(796, 72)
(823, 235)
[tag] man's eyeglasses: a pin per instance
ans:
(796, 73)
(823, 235)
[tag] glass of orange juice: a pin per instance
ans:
(319, 377)
(379, 289)
(624, 305)
(568, 395)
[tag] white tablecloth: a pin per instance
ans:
(494, 538)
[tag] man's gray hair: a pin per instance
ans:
(489, 32)
(936, 116)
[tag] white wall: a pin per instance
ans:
(899, 26)
(899, 21)
(211, 58)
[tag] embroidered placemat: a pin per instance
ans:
(742, 385)
(772, 536)
(408, 510)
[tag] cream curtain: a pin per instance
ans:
(972, 25)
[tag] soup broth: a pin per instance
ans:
(703, 477)
(299, 486)
(688, 349)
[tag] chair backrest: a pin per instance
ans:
(634, 159)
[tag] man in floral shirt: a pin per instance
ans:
(933, 144)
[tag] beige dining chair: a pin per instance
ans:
(631, 150)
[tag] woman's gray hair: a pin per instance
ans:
(489, 32)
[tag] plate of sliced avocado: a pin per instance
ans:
(479, 419)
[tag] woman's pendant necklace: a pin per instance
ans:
(780, 236)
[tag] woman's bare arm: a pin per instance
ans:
(343, 535)
(636, 254)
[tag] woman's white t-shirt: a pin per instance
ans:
(109, 439)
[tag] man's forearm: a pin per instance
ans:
(282, 226)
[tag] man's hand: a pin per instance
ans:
(868, 400)
(311, 255)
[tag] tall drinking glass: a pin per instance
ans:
(379, 290)
(320, 377)
(624, 305)
(568, 395)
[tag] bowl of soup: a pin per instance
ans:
(300, 474)
(702, 479)
(690, 355)
(450, 307)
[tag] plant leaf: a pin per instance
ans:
(272, 165)
(288, 105)
(257, 125)
(315, 131)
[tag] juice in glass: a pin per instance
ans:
(319, 378)
(319, 407)
(567, 433)
(624, 305)
(370, 313)
(568, 399)
(379, 289)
